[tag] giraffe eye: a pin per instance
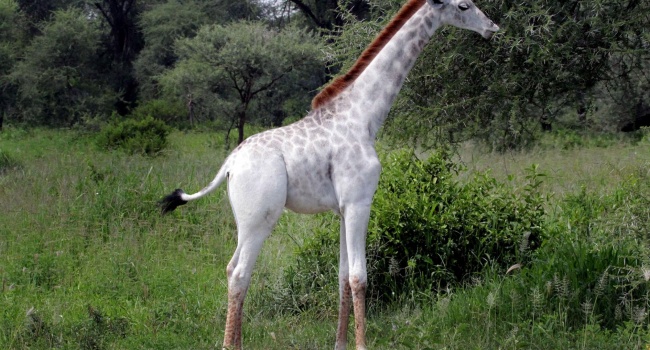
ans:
(463, 6)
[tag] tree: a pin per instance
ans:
(161, 26)
(122, 42)
(10, 48)
(327, 15)
(163, 23)
(547, 57)
(38, 11)
(230, 71)
(57, 81)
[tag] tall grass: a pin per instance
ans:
(87, 262)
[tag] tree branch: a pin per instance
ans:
(307, 11)
(236, 85)
(129, 5)
(106, 16)
(265, 87)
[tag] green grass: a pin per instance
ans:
(567, 170)
(87, 262)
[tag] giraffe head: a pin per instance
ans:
(464, 14)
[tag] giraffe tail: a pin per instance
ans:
(179, 197)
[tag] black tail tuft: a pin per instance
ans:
(170, 202)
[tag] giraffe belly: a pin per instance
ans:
(311, 199)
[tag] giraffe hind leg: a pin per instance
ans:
(257, 200)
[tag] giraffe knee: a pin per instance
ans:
(229, 270)
(344, 278)
(358, 282)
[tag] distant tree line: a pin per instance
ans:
(68, 62)
(227, 63)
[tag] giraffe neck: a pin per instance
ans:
(373, 92)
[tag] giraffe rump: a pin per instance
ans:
(172, 201)
(340, 83)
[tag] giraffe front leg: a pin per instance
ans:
(344, 294)
(359, 301)
(356, 225)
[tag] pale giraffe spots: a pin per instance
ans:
(428, 21)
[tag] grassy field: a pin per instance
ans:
(87, 262)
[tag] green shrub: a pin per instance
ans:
(145, 136)
(170, 112)
(428, 230)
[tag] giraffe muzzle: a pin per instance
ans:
(489, 32)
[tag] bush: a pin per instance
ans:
(428, 230)
(169, 112)
(146, 136)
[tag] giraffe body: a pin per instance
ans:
(327, 161)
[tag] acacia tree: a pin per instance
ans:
(548, 55)
(161, 26)
(57, 81)
(163, 23)
(229, 72)
(546, 58)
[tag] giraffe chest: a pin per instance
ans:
(321, 180)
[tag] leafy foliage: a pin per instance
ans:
(592, 268)
(146, 136)
(546, 57)
(165, 23)
(58, 84)
(9, 19)
(165, 110)
(328, 15)
(232, 72)
(549, 59)
(427, 230)
(161, 26)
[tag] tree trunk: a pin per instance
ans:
(582, 108)
(545, 122)
(240, 127)
(190, 110)
(125, 43)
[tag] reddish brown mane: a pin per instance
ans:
(343, 81)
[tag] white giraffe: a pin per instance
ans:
(327, 160)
